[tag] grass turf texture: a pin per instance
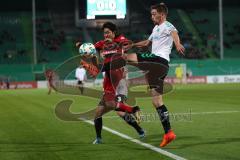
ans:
(29, 129)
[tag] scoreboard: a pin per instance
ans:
(93, 13)
(106, 8)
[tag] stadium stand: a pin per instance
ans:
(54, 44)
(13, 47)
(207, 23)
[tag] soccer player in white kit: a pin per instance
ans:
(80, 75)
(156, 62)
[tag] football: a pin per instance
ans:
(87, 49)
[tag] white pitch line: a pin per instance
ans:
(149, 146)
(217, 112)
(188, 113)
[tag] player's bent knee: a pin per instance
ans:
(99, 111)
(132, 57)
(114, 64)
(121, 114)
(111, 104)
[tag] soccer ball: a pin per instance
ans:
(87, 49)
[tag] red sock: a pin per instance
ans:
(125, 108)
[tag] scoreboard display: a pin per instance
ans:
(106, 8)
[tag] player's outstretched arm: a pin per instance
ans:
(90, 67)
(140, 44)
(177, 42)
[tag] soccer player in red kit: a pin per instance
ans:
(49, 77)
(111, 51)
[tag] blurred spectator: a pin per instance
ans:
(7, 83)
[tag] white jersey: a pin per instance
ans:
(80, 73)
(162, 40)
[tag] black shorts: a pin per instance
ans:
(80, 82)
(156, 68)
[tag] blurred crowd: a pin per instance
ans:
(47, 36)
(8, 45)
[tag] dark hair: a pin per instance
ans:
(112, 27)
(161, 8)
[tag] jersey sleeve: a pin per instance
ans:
(170, 28)
(99, 45)
(121, 39)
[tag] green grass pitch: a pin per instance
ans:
(29, 129)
